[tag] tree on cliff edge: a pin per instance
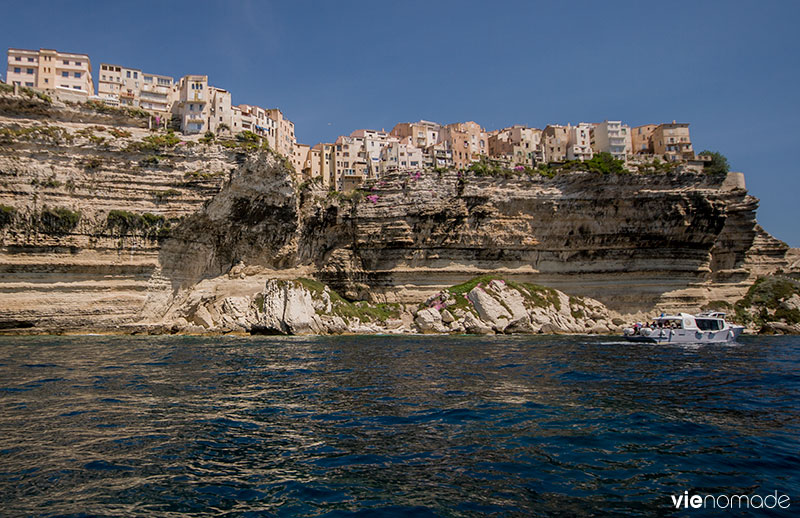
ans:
(718, 164)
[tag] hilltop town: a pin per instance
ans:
(194, 107)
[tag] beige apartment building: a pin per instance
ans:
(321, 156)
(672, 141)
(642, 139)
(555, 140)
(349, 162)
(48, 69)
(192, 106)
(284, 134)
(123, 86)
(220, 112)
(612, 137)
(156, 93)
(118, 85)
(423, 134)
(467, 140)
(299, 158)
(256, 120)
(438, 155)
(374, 143)
(401, 156)
(519, 145)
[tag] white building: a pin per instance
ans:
(579, 145)
(612, 137)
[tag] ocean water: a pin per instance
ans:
(393, 426)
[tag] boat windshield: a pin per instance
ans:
(709, 324)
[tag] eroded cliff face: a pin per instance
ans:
(232, 220)
(63, 263)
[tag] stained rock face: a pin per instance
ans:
(297, 307)
(200, 228)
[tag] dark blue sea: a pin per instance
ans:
(393, 426)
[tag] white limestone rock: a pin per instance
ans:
(429, 320)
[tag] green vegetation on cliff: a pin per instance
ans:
(7, 214)
(770, 299)
(58, 220)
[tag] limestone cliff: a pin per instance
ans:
(105, 223)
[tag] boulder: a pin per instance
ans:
(429, 320)
(521, 325)
(447, 317)
(202, 317)
(488, 308)
(287, 308)
(474, 325)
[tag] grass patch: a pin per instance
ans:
(364, 311)
(155, 143)
(101, 107)
(160, 196)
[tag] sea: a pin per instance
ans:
(397, 426)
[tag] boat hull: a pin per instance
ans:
(687, 336)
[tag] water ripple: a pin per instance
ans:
(390, 426)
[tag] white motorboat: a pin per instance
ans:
(709, 327)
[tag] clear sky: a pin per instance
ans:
(730, 68)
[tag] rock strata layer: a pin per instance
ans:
(108, 226)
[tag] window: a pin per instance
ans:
(28, 84)
(104, 78)
(135, 75)
(46, 80)
(76, 87)
(66, 62)
(64, 74)
(18, 58)
(30, 60)
(77, 75)
(129, 73)
(17, 70)
(78, 63)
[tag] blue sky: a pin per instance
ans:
(730, 68)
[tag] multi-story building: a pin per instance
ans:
(299, 158)
(612, 137)
(579, 146)
(123, 86)
(349, 162)
(467, 140)
(192, 106)
(672, 141)
(642, 139)
(374, 142)
(555, 140)
(320, 158)
(220, 112)
(109, 83)
(156, 93)
(519, 145)
(400, 156)
(49, 69)
(423, 134)
(438, 155)
(284, 134)
(256, 119)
